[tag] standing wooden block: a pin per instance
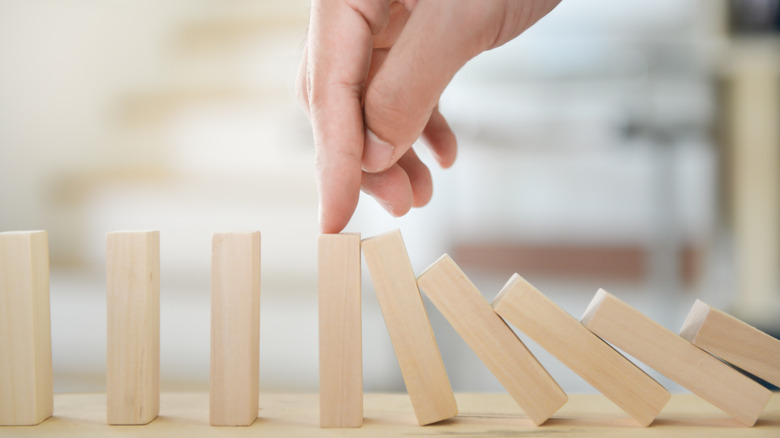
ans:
(341, 343)
(133, 338)
(235, 328)
(636, 334)
(733, 341)
(492, 340)
(410, 331)
(26, 396)
(523, 306)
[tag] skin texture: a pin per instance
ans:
(370, 80)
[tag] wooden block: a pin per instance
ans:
(410, 331)
(523, 306)
(235, 328)
(26, 396)
(492, 340)
(676, 358)
(733, 341)
(341, 344)
(133, 338)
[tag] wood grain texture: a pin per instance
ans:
(26, 396)
(235, 328)
(676, 358)
(133, 329)
(185, 414)
(734, 341)
(410, 330)
(341, 349)
(526, 308)
(492, 340)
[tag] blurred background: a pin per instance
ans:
(633, 146)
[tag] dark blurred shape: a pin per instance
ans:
(754, 17)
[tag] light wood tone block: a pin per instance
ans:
(676, 358)
(235, 328)
(26, 396)
(523, 306)
(133, 338)
(492, 340)
(341, 341)
(734, 341)
(410, 330)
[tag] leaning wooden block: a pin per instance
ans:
(523, 306)
(410, 331)
(341, 349)
(133, 338)
(26, 396)
(492, 340)
(676, 358)
(733, 341)
(235, 328)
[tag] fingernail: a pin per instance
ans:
(376, 153)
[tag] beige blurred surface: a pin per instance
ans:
(606, 147)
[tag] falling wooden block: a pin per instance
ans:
(733, 341)
(26, 396)
(410, 331)
(676, 358)
(523, 306)
(133, 335)
(341, 349)
(235, 328)
(492, 340)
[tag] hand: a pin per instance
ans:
(370, 80)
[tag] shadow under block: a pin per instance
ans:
(462, 304)
(133, 330)
(341, 344)
(410, 330)
(235, 329)
(26, 396)
(523, 306)
(676, 358)
(734, 341)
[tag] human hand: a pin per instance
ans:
(370, 80)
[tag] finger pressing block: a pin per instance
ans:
(235, 328)
(733, 341)
(492, 340)
(523, 306)
(26, 396)
(341, 353)
(676, 358)
(410, 331)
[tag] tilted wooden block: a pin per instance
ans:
(410, 330)
(734, 341)
(341, 349)
(235, 328)
(676, 358)
(491, 339)
(523, 306)
(26, 396)
(133, 330)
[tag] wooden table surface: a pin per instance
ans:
(491, 415)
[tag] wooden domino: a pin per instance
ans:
(676, 358)
(235, 328)
(26, 396)
(410, 330)
(492, 340)
(341, 349)
(734, 341)
(133, 330)
(523, 306)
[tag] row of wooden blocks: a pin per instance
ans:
(132, 269)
